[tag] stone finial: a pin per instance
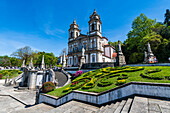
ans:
(23, 64)
(42, 63)
(74, 22)
(94, 12)
(64, 59)
(31, 64)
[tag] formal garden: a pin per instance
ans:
(107, 78)
(10, 73)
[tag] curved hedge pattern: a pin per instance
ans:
(101, 78)
(147, 74)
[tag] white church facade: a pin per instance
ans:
(95, 45)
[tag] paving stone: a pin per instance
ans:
(154, 107)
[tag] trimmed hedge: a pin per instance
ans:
(48, 86)
(156, 77)
(123, 76)
(120, 82)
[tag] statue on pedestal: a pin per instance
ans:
(120, 56)
(82, 61)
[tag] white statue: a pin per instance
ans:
(119, 46)
(149, 48)
(145, 54)
(83, 51)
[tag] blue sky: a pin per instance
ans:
(43, 24)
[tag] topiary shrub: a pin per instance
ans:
(1, 76)
(48, 86)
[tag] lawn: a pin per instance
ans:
(10, 73)
(107, 78)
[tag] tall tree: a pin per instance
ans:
(141, 27)
(23, 53)
(167, 17)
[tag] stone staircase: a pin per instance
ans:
(130, 105)
(39, 108)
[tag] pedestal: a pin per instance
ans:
(32, 79)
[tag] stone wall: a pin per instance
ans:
(133, 88)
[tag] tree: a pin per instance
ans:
(23, 53)
(49, 59)
(5, 61)
(141, 27)
(167, 17)
(15, 61)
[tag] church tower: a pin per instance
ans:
(95, 24)
(74, 31)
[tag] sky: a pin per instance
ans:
(43, 24)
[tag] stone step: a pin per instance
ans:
(120, 107)
(39, 108)
(139, 105)
(74, 106)
(102, 109)
(126, 108)
(108, 110)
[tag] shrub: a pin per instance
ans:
(19, 72)
(120, 82)
(1, 76)
(89, 85)
(155, 77)
(48, 86)
(123, 76)
(103, 82)
(66, 89)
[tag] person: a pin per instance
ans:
(169, 59)
(150, 60)
(155, 60)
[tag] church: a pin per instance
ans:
(95, 45)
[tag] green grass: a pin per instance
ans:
(106, 72)
(11, 73)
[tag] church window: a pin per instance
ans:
(72, 34)
(77, 34)
(93, 58)
(92, 26)
(99, 27)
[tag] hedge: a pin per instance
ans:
(48, 86)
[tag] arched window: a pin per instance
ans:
(72, 34)
(93, 58)
(92, 27)
(77, 34)
(99, 27)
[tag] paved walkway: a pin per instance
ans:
(19, 101)
(62, 79)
